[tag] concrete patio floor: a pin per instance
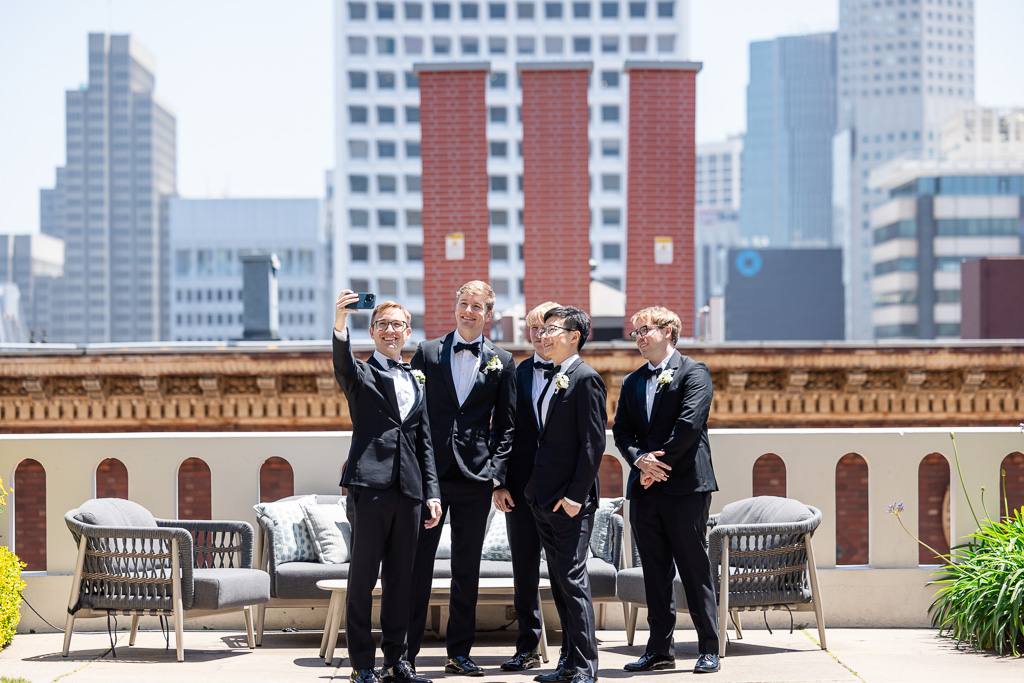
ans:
(853, 655)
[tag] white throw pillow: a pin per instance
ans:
(444, 546)
(496, 541)
(292, 542)
(331, 532)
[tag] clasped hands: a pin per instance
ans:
(651, 469)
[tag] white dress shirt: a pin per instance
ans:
(538, 380)
(465, 366)
(549, 390)
(652, 383)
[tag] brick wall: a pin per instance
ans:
(30, 514)
(194, 490)
(112, 479)
(851, 510)
(1013, 465)
(453, 147)
(611, 477)
(662, 164)
(932, 488)
(556, 184)
(276, 480)
(769, 476)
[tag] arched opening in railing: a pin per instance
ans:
(112, 479)
(769, 476)
(30, 514)
(610, 476)
(194, 499)
(933, 507)
(276, 479)
(852, 510)
(1012, 484)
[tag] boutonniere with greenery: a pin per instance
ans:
(420, 377)
(561, 381)
(493, 364)
(664, 378)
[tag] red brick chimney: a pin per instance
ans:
(662, 164)
(453, 148)
(556, 183)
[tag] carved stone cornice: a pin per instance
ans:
(242, 389)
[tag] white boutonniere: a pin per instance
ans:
(420, 377)
(664, 378)
(561, 381)
(493, 364)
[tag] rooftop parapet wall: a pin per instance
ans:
(276, 388)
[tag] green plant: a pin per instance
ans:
(11, 585)
(981, 596)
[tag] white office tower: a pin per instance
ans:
(33, 264)
(109, 202)
(209, 238)
(719, 185)
(377, 183)
(904, 65)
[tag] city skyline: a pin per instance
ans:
(288, 52)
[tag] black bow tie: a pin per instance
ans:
(396, 364)
(650, 372)
(548, 374)
(540, 365)
(473, 348)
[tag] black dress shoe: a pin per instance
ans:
(402, 673)
(652, 662)
(562, 674)
(707, 664)
(363, 676)
(463, 666)
(522, 661)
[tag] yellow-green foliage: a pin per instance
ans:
(11, 585)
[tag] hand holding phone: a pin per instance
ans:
(366, 300)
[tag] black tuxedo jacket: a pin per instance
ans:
(468, 436)
(384, 448)
(514, 469)
(678, 426)
(571, 443)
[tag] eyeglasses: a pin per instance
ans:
(643, 331)
(383, 325)
(551, 330)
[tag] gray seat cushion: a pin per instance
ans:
(764, 510)
(114, 512)
(602, 577)
(489, 569)
(297, 580)
(230, 588)
(630, 587)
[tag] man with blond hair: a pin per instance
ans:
(389, 475)
(471, 391)
(510, 476)
(661, 428)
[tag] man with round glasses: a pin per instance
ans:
(389, 475)
(471, 392)
(661, 429)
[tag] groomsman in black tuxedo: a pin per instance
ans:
(389, 475)
(471, 394)
(510, 477)
(661, 429)
(563, 489)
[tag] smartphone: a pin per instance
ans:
(366, 300)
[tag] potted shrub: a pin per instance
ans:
(11, 585)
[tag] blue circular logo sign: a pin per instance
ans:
(748, 263)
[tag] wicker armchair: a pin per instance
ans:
(765, 543)
(131, 564)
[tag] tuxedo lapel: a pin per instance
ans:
(641, 400)
(445, 363)
(554, 394)
(673, 364)
(386, 385)
(486, 354)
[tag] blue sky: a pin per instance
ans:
(251, 82)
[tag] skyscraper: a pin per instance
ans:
(787, 151)
(378, 229)
(903, 67)
(109, 204)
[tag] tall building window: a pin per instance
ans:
(412, 81)
(470, 46)
(385, 45)
(610, 113)
(357, 80)
(385, 80)
(387, 252)
(498, 114)
(496, 10)
(386, 149)
(359, 184)
(412, 114)
(609, 10)
(386, 218)
(581, 10)
(470, 10)
(609, 45)
(581, 45)
(357, 11)
(610, 79)
(358, 46)
(442, 11)
(554, 45)
(387, 184)
(524, 10)
(413, 252)
(358, 149)
(385, 11)
(497, 46)
(638, 43)
(637, 10)
(359, 253)
(442, 46)
(359, 218)
(385, 114)
(413, 11)
(499, 80)
(553, 10)
(413, 45)
(666, 10)
(525, 45)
